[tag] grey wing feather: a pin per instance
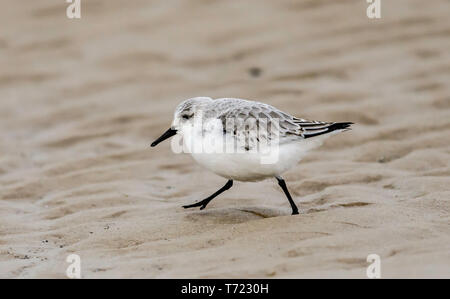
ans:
(247, 116)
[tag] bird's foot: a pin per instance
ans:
(202, 204)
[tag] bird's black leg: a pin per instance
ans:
(205, 202)
(283, 186)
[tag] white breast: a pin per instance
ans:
(246, 166)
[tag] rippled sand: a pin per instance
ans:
(81, 100)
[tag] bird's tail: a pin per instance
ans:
(328, 128)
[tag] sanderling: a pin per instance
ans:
(240, 134)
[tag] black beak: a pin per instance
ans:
(169, 133)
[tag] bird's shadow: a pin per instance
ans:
(234, 215)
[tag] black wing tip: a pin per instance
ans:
(339, 126)
(331, 128)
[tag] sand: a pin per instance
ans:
(81, 100)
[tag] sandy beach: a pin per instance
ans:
(82, 99)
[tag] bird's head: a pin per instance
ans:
(184, 116)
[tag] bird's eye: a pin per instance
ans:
(185, 116)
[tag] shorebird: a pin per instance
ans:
(245, 140)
